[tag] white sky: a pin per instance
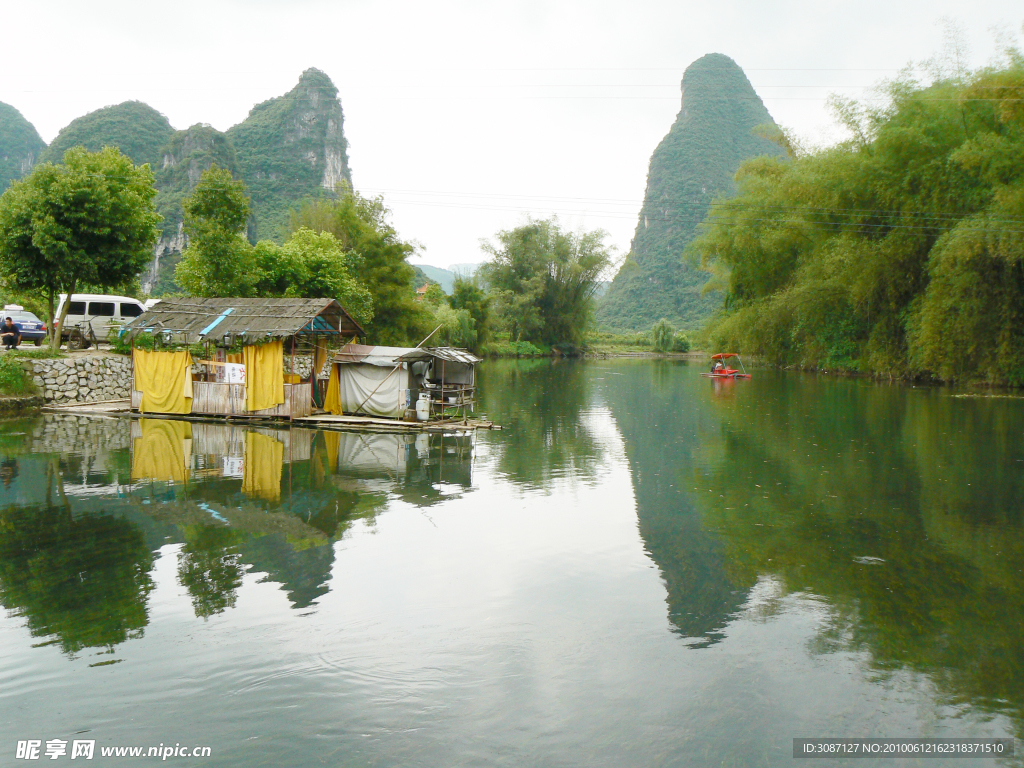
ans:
(467, 116)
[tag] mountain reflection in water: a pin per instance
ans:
(643, 567)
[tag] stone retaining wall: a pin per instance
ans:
(88, 379)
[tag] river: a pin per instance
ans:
(643, 568)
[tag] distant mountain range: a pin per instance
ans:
(288, 148)
(446, 277)
(695, 163)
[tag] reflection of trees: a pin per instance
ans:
(901, 508)
(210, 568)
(542, 409)
(84, 579)
(661, 429)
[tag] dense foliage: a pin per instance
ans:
(20, 145)
(188, 154)
(543, 280)
(88, 221)
(361, 225)
(897, 252)
(138, 130)
(220, 261)
(282, 149)
(713, 134)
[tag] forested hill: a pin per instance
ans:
(20, 145)
(287, 149)
(712, 134)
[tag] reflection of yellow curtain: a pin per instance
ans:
(165, 381)
(264, 375)
(164, 452)
(332, 400)
(264, 457)
(332, 441)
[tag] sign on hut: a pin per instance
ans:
(249, 382)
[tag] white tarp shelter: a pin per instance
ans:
(369, 372)
(385, 381)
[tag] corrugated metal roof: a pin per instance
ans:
(390, 356)
(193, 320)
(451, 354)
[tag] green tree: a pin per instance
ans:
(88, 221)
(219, 261)
(312, 265)
(361, 225)
(468, 294)
(544, 280)
(662, 335)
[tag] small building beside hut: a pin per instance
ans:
(388, 381)
(247, 344)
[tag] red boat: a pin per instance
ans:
(722, 370)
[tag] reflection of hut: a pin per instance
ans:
(251, 382)
(386, 381)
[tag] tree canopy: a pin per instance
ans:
(543, 280)
(360, 225)
(90, 221)
(219, 261)
(897, 252)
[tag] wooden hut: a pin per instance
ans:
(387, 381)
(250, 383)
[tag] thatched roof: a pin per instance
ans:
(189, 321)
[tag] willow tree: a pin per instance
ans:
(544, 280)
(89, 221)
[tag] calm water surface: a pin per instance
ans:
(643, 568)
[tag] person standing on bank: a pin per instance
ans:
(10, 334)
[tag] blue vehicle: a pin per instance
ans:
(31, 327)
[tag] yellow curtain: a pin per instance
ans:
(235, 357)
(264, 375)
(165, 381)
(319, 357)
(264, 457)
(164, 452)
(332, 400)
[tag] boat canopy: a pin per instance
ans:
(723, 355)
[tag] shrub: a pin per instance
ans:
(14, 381)
(680, 342)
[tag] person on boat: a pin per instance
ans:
(718, 368)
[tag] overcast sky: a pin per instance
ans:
(467, 116)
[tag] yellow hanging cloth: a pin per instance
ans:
(165, 381)
(164, 452)
(332, 400)
(264, 375)
(264, 457)
(319, 357)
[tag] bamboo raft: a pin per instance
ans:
(122, 409)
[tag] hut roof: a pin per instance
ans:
(193, 320)
(391, 356)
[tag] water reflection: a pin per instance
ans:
(664, 427)
(543, 408)
(900, 507)
(90, 505)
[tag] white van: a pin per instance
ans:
(98, 310)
